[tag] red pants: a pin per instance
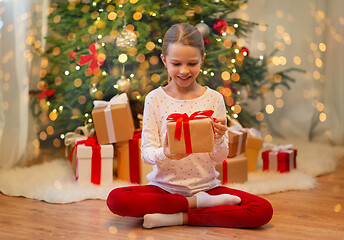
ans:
(136, 201)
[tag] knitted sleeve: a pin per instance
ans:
(151, 147)
(220, 152)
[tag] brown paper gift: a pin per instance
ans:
(253, 146)
(201, 137)
(113, 121)
(233, 170)
(237, 142)
(124, 171)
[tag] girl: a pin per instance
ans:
(184, 189)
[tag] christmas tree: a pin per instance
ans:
(97, 49)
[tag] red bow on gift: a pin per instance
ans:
(96, 157)
(93, 57)
(182, 120)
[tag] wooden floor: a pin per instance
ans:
(313, 214)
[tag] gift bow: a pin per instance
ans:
(279, 147)
(182, 121)
(96, 157)
(45, 93)
(82, 131)
(93, 58)
(250, 131)
(118, 99)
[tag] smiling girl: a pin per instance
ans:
(184, 188)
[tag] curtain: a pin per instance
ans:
(22, 27)
(310, 36)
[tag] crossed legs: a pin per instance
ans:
(220, 206)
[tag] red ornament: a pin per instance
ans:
(93, 58)
(245, 51)
(206, 41)
(219, 26)
(45, 93)
(72, 55)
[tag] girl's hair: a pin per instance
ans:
(185, 34)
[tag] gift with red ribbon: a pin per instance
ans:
(236, 142)
(94, 162)
(233, 170)
(279, 158)
(113, 120)
(130, 167)
(190, 134)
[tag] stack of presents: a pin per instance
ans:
(116, 138)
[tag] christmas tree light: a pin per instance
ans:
(98, 49)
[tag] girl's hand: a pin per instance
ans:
(168, 153)
(220, 127)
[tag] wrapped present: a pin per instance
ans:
(233, 170)
(113, 121)
(94, 162)
(130, 167)
(253, 146)
(280, 158)
(237, 142)
(190, 134)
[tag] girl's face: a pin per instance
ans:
(183, 64)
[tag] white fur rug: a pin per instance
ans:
(54, 181)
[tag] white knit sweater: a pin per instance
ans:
(197, 171)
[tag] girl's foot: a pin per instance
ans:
(162, 220)
(203, 199)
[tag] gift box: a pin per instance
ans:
(281, 161)
(236, 142)
(194, 134)
(130, 167)
(113, 121)
(253, 146)
(94, 162)
(233, 170)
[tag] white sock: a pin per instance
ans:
(162, 220)
(206, 200)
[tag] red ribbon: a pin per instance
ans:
(72, 55)
(134, 158)
(93, 58)
(182, 120)
(224, 172)
(45, 93)
(96, 157)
